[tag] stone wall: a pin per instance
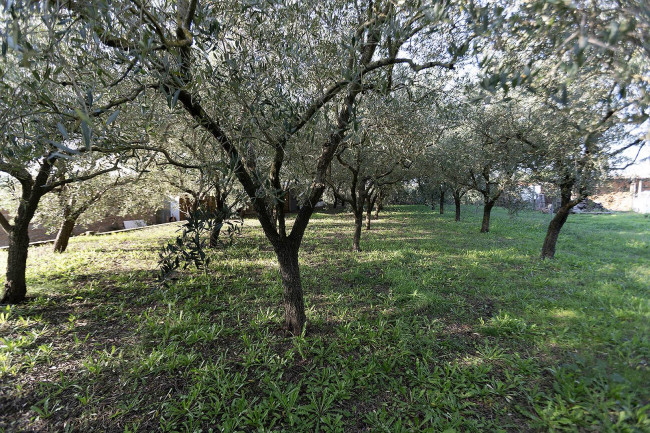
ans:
(110, 223)
(615, 201)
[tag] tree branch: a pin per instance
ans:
(103, 35)
(191, 10)
(4, 223)
(19, 173)
(637, 142)
(167, 156)
(328, 151)
(251, 186)
(336, 88)
(123, 100)
(53, 185)
(185, 37)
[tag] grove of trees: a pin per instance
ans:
(246, 103)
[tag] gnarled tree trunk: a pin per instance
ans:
(457, 205)
(358, 224)
(554, 227)
(294, 307)
(221, 212)
(368, 217)
(370, 204)
(214, 234)
(379, 206)
(487, 208)
(442, 200)
(16, 286)
(64, 234)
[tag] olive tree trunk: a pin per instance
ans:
(70, 218)
(487, 209)
(457, 205)
(64, 234)
(368, 218)
(294, 307)
(442, 201)
(358, 224)
(16, 286)
(554, 227)
(214, 234)
(370, 203)
(218, 224)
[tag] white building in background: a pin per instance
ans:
(170, 210)
(175, 208)
(640, 189)
(534, 195)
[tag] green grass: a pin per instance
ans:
(434, 327)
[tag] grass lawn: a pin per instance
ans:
(433, 327)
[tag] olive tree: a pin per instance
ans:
(588, 63)
(443, 165)
(58, 108)
(496, 148)
(377, 154)
(194, 164)
(576, 148)
(444, 168)
(118, 193)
